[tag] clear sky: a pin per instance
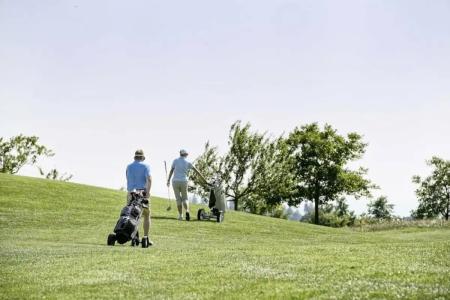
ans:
(95, 80)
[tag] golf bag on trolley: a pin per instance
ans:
(127, 226)
(216, 204)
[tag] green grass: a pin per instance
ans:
(53, 245)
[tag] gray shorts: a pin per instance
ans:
(180, 190)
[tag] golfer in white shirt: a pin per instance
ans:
(180, 170)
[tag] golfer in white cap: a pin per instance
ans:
(180, 169)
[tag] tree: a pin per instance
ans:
(318, 160)
(275, 183)
(433, 192)
(244, 157)
(19, 151)
(424, 212)
(209, 165)
(251, 170)
(380, 208)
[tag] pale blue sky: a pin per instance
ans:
(97, 79)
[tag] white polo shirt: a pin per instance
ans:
(181, 168)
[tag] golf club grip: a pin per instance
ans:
(167, 178)
(165, 167)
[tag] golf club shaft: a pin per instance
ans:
(168, 188)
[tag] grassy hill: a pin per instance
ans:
(53, 245)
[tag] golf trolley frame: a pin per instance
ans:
(216, 204)
(137, 204)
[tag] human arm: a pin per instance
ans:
(170, 175)
(200, 175)
(148, 186)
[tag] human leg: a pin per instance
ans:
(184, 198)
(178, 196)
(147, 222)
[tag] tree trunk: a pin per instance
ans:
(316, 210)
(448, 206)
(236, 201)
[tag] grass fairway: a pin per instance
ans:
(53, 245)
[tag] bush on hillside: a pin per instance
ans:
(260, 208)
(331, 219)
(365, 223)
(54, 174)
(279, 212)
(332, 215)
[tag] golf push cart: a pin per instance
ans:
(216, 204)
(127, 226)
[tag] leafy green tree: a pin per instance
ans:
(19, 151)
(209, 165)
(433, 192)
(424, 211)
(380, 208)
(275, 183)
(253, 170)
(242, 162)
(319, 161)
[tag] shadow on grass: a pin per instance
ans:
(164, 218)
(171, 218)
(127, 244)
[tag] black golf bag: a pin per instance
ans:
(127, 226)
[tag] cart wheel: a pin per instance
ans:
(201, 214)
(111, 239)
(219, 217)
(135, 242)
(144, 243)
